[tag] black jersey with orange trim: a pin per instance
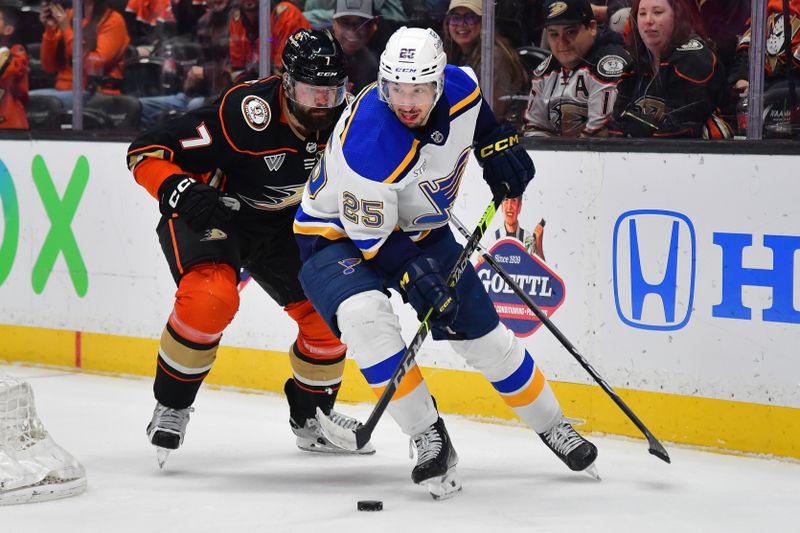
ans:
(242, 145)
(676, 101)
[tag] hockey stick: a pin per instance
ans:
(355, 439)
(655, 446)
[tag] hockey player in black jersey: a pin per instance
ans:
(574, 89)
(228, 178)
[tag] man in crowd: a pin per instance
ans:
(573, 91)
(354, 24)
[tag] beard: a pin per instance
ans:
(315, 119)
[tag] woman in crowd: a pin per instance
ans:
(462, 44)
(105, 39)
(675, 83)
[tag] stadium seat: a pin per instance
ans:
(44, 112)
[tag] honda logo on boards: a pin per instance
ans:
(654, 259)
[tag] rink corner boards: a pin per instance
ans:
(720, 425)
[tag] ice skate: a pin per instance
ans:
(436, 462)
(576, 452)
(311, 439)
(310, 436)
(167, 429)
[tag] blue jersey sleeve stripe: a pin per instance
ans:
(366, 244)
(518, 378)
(379, 373)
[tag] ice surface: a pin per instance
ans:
(240, 471)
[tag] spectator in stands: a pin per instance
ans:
(105, 40)
(13, 73)
(354, 24)
(391, 15)
(211, 77)
(781, 74)
(573, 91)
(675, 83)
(286, 19)
(462, 39)
(775, 65)
(149, 22)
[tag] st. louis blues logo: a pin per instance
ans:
(442, 192)
(349, 265)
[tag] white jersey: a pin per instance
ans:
(578, 101)
(377, 175)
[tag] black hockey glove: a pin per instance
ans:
(425, 287)
(504, 160)
(197, 203)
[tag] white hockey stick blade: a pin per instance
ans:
(339, 436)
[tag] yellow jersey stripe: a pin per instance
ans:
(404, 163)
(466, 101)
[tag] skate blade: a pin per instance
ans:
(339, 436)
(443, 487)
(161, 456)
(591, 471)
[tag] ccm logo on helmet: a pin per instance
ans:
(405, 70)
(499, 146)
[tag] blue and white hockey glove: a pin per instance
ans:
(424, 287)
(504, 160)
(196, 202)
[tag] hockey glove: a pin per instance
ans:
(424, 287)
(504, 160)
(197, 203)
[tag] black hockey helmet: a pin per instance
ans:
(315, 78)
(315, 57)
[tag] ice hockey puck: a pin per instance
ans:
(370, 505)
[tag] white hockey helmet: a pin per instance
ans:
(412, 55)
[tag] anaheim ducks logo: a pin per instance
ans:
(569, 117)
(650, 106)
(556, 8)
(256, 112)
(214, 234)
(611, 66)
(276, 197)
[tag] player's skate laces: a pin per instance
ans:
(436, 461)
(168, 426)
(576, 452)
(311, 439)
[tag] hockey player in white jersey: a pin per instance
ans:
(374, 216)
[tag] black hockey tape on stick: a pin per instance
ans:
(655, 446)
(355, 439)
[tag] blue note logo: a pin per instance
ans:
(654, 269)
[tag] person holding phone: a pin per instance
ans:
(105, 39)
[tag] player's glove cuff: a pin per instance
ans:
(505, 161)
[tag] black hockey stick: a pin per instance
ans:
(355, 439)
(655, 446)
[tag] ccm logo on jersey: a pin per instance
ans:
(499, 146)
